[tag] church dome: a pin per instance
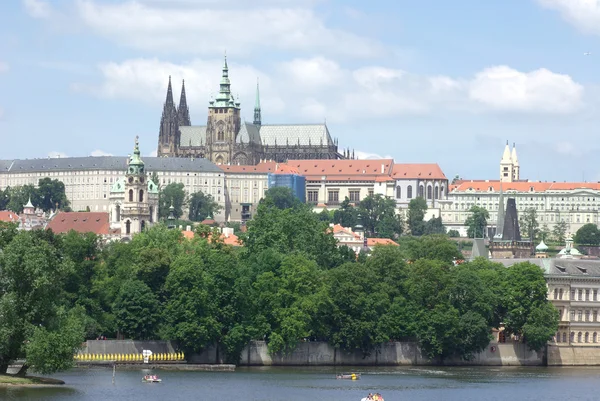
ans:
(542, 247)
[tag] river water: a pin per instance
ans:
(299, 384)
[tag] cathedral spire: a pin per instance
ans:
(167, 137)
(225, 98)
(500, 219)
(257, 117)
(183, 112)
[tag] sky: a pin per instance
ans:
(426, 81)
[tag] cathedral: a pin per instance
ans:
(225, 139)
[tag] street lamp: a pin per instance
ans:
(171, 218)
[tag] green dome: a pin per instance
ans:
(118, 186)
(542, 247)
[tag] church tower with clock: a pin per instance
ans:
(134, 198)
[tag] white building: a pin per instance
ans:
(575, 203)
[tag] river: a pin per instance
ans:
(300, 384)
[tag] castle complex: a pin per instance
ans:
(226, 139)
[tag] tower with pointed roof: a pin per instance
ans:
(506, 165)
(168, 137)
(183, 112)
(257, 118)
(515, 163)
(134, 198)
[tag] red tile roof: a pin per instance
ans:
(520, 186)
(82, 222)
(380, 241)
(431, 171)
(343, 170)
(8, 216)
(232, 239)
(261, 168)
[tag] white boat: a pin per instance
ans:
(151, 379)
(373, 397)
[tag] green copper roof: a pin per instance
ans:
(224, 97)
(135, 160)
(119, 186)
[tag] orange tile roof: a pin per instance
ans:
(261, 168)
(82, 222)
(520, 186)
(232, 239)
(343, 170)
(423, 171)
(8, 216)
(380, 241)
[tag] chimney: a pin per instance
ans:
(188, 228)
(382, 168)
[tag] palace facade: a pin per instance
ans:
(226, 139)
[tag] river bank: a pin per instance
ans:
(28, 381)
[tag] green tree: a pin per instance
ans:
(529, 224)
(202, 206)
(588, 234)
(453, 234)
(545, 233)
(136, 310)
(477, 222)
(4, 198)
(326, 216)
(379, 217)
(526, 307)
(20, 195)
(155, 179)
(416, 213)
(346, 214)
(32, 275)
(559, 231)
(281, 198)
(434, 226)
(173, 194)
(51, 195)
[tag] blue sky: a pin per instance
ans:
(420, 81)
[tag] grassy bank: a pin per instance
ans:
(12, 380)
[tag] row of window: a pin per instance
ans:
(581, 337)
(590, 316)
(581, 294)
(432, 193)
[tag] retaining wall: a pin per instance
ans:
(573, 355)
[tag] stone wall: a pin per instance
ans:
(573, 355)
(390, 354)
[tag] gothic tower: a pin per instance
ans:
(135, 212)
(168, 137)
(223, 123)
(183, 112)
(515, 163)
(257, 118)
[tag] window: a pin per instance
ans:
(333, 197)
(409, 192)
(572, 315)
(595, 295)
(141, 195)
(313, 196)
(556, 293)
(429, 192)
(579, 315)
(128, 227)
(580, 295)
(587, 295)
(595, 338)
(572, 295)
(560, 293)
(587, 315)
(564, 339)
(421, 193)
(130, 197)
(221, 135)
(572, 336)
(355, 196)
(370, 192)
(436, 193)
(579, 337)
(398, 192)
(587, 337)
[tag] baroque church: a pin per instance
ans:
(225, 139)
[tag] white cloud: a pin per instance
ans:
(55, 154)
(504, 88)
(366, 155)
(4, 67)
(316, 89)
(99, 152)
(584, 14)
(212, 27)
(154, 153)
(38, 9)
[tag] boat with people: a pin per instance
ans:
(151, 379)
(373, 397)
(348, 376)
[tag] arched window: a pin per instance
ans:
(151, 214)
(595, 337)
(556, 293)
(587, 337)
(421, 191)
(398, 192)
(429, 192)
(409, 192)
(131, 195)
(557, 337)
(143, 225)
(579, 337)
(564, 338)
(436, 193)
(572, 337)
(128, 227)
(560, 293)
(118, 213)
(141, 195)
(221, 136)
(442, 192)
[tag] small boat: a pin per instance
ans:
(348, 376)
(151, 379)
(373, 397)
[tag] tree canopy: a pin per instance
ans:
(172, 195)
(202, 206)
(477, 222)
(416, 213)
(588, 234)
